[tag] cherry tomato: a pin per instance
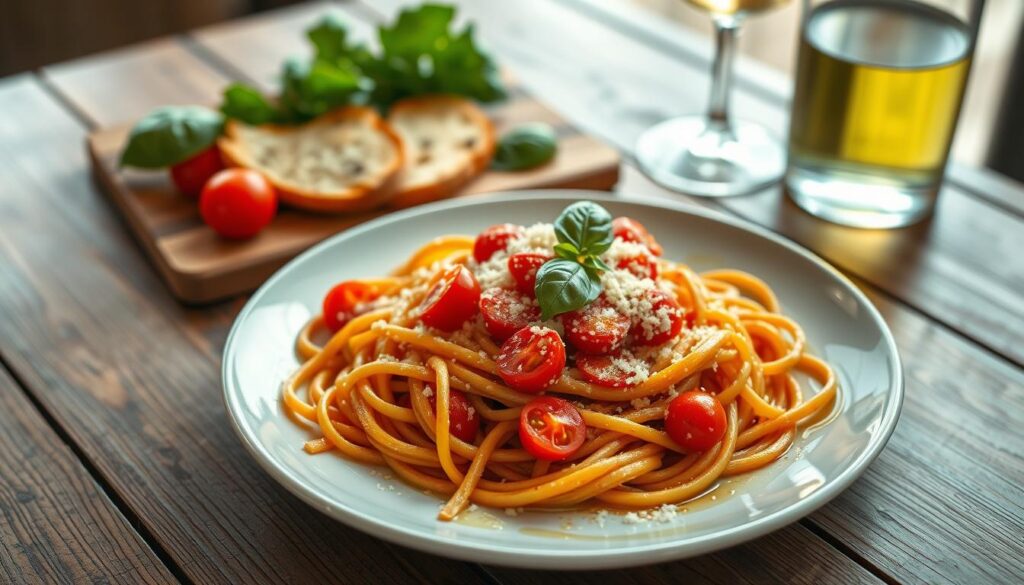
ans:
(631, 230)
(551, 428)
(190, 175)
(506, 312)
(463, 421)
(345, 301)
(596, 328)
(642, 266)
(452, 300)
(493, 239)
(238, 203)
(668, 320)
(613, 371)
(695, 420)
(532, 359)
(524, 268)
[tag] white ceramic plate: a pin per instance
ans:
(841, 325)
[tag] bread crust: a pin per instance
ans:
(359, 196)
(479, 160)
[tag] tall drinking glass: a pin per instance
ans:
(713, 155)
(878, 90)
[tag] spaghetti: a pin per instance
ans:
(435, 405)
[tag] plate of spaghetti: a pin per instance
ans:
(562, 379)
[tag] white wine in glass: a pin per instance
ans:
(713, 155)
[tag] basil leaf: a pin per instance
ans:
(329, 38)
(247, 104)
(586, 225)
(595, 263)
(563, 286)
(170, 135)
(525, 147)
(567, 251)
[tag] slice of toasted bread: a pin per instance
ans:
(447, 141)
(345, 160)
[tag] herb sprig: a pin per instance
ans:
(573, 279)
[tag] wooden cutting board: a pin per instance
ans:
(200, 267)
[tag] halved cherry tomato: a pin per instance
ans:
(493, 239)
(524, 268)
(532, 359)
(695, 420)
(642, 266)
(606, 370)
(667, 320)
(551, 428)
(506, 311)
(463, 421)
(345, 301)
(452, 300)
(238, 203)
(596, 328)
(191, 174)
(631, 230)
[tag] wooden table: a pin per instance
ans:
(116, 457)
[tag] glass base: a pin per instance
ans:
(859, 201)
(697, 156)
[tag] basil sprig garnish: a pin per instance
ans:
(170, 135)
(573, 278)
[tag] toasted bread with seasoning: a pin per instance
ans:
(447, 140)
(346, 160)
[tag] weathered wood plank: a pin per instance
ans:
(960, 268)
(766, 560)
(134, 378)
(56, 524)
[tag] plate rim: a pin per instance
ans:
(561, 558)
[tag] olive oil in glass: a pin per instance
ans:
(878, 91)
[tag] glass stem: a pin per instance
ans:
(726, 31)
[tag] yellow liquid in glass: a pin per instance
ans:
(879, 89)
(736, 6)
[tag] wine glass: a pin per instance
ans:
(713, 155)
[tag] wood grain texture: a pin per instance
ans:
(56, 524)
(767, 560)
(961, 267)
(119, 87)
(134, 378)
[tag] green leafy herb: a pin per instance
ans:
(247, 104)
(420, 53)
(573, 278)
(563, 286)
(525, 147)
(587, 226)
(171, 135)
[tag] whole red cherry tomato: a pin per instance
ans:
(551, 428)
(238, 203)
(191, 174)
(695, 420)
